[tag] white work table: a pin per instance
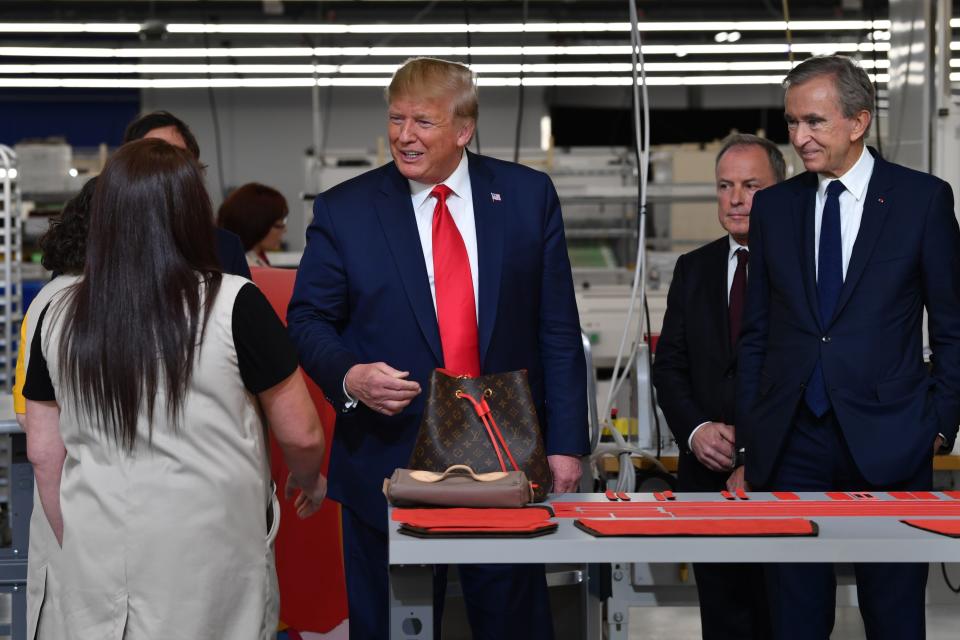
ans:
(840, 539)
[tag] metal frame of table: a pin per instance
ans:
(840, 539)
(13, 559)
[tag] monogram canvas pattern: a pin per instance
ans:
(452, 433)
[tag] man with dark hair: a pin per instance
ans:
(694, 375)
(167, 127)
(832, 391)
(441, 258)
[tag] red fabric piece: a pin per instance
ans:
(481, 530)
(313, 594)
(761, 509)
(611, 495)
(902, 495)
(623, 496)
(699, 527)
(742, 494)
(669, 495)
(658, 496)
(474, 519)
(838, 495)
(785, 495)
(726, 494)
(453, 285)
(952, 494)
(925, 495)
(943, 527)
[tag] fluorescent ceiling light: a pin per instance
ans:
(514, 27)
(252, 69)
(401, 52)
(497, 81)
(69, 27)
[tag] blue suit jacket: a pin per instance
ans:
(906, 257)
(230, 252)
(362, 295)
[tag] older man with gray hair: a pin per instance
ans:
(832, 391)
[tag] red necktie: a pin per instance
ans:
(738, 293)
(453, 284)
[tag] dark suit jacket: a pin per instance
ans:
(695, 367)
(906, 257)
(230, 251)
(362, 295)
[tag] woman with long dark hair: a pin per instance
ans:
(145, 429)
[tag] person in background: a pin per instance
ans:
(833, 393)
(694, 374)
(148, 384)
(441, 258)
(258, 215)
(163, 125)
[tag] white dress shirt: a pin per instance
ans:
(856, 181)
(731, 270)
(460, 205)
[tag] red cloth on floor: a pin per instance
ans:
(700, 527)
(943, 527)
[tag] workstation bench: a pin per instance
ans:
(842, 537)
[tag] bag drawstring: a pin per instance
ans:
(486, 417)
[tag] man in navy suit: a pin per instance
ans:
(833, 392)
(167, 127)
(695, 369)
(440, 258)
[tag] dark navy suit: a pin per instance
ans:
(230, 252)
(694, 373)
(362, 295)
(886, 406)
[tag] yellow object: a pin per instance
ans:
(622, 425)
(19, 402)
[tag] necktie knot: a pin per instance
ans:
(441, 192)
(743, 256)
(835, 188)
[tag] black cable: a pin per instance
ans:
(653, 397)
(516, 137)
(466, 20)
(946, 578)
(216, 123)
(876, 87)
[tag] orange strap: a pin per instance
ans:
(483, 410)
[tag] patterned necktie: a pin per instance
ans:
(829, 283)
(453, 286)
(738, 293)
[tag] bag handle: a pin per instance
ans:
(433, 476)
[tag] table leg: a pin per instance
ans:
(411, 602)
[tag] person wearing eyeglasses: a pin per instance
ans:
(258, 215)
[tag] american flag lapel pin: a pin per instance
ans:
(495, 196)
(880, 200)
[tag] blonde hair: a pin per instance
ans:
(432, 78)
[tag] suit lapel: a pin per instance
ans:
(395, 211)
(490, 219)
(804, 211)
(875, 209)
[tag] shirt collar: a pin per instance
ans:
(734, 245)
(457, 182)
(855, 180)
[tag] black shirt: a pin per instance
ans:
(264, 352)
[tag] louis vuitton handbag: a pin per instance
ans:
(488, 423)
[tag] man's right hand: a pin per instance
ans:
(381, 387)
(713, 445)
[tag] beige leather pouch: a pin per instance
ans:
(458, 486)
